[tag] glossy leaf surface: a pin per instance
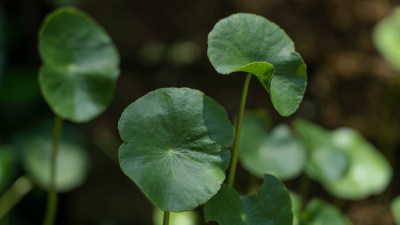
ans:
(270, 205)
(262, 152)
(249, 43)
(344, 162)
(8, 166)
(386, 37)
(319, 212)
(72, 160)
(80, 65)
(174, 147)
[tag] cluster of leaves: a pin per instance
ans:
(342, 161)
(176, 140)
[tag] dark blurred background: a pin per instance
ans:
(163, 43)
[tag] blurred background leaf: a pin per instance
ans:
(387, 38)
(276, 152)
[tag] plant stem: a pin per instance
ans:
(304, 185)
(52, 197)
(237, 131)
(166, 218)
(14, 194)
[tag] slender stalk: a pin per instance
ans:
(237, 131)
(14, 194)
(52, 197)
(166, 218)
(303, 189)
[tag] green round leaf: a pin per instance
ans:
(326, 162)
(250, 43)
(181, 218)
(369, 172)
(174, 147)
(270, 205)
(8, 166)
(278, 153)
(395, 207)
(386, 36)
(344, 162)
(80, 65)
(72, 160)
(319, 212)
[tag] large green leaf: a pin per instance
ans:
(395, 208)
(250, 43)
(72, 160)
(344, 162)
(278, 152)
(8, 166)
(80, 65)
(174, 147)
(270, 205)
(386, 36)
(318, 212)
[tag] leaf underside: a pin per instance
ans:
(249, 43)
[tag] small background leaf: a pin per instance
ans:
(344, 162)
(386, 36)
(270, 205)
(277, 152)
(395, 207)
(80, 65)
(72, 161)
(318, 212)
(174, 147)
(250, 43)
